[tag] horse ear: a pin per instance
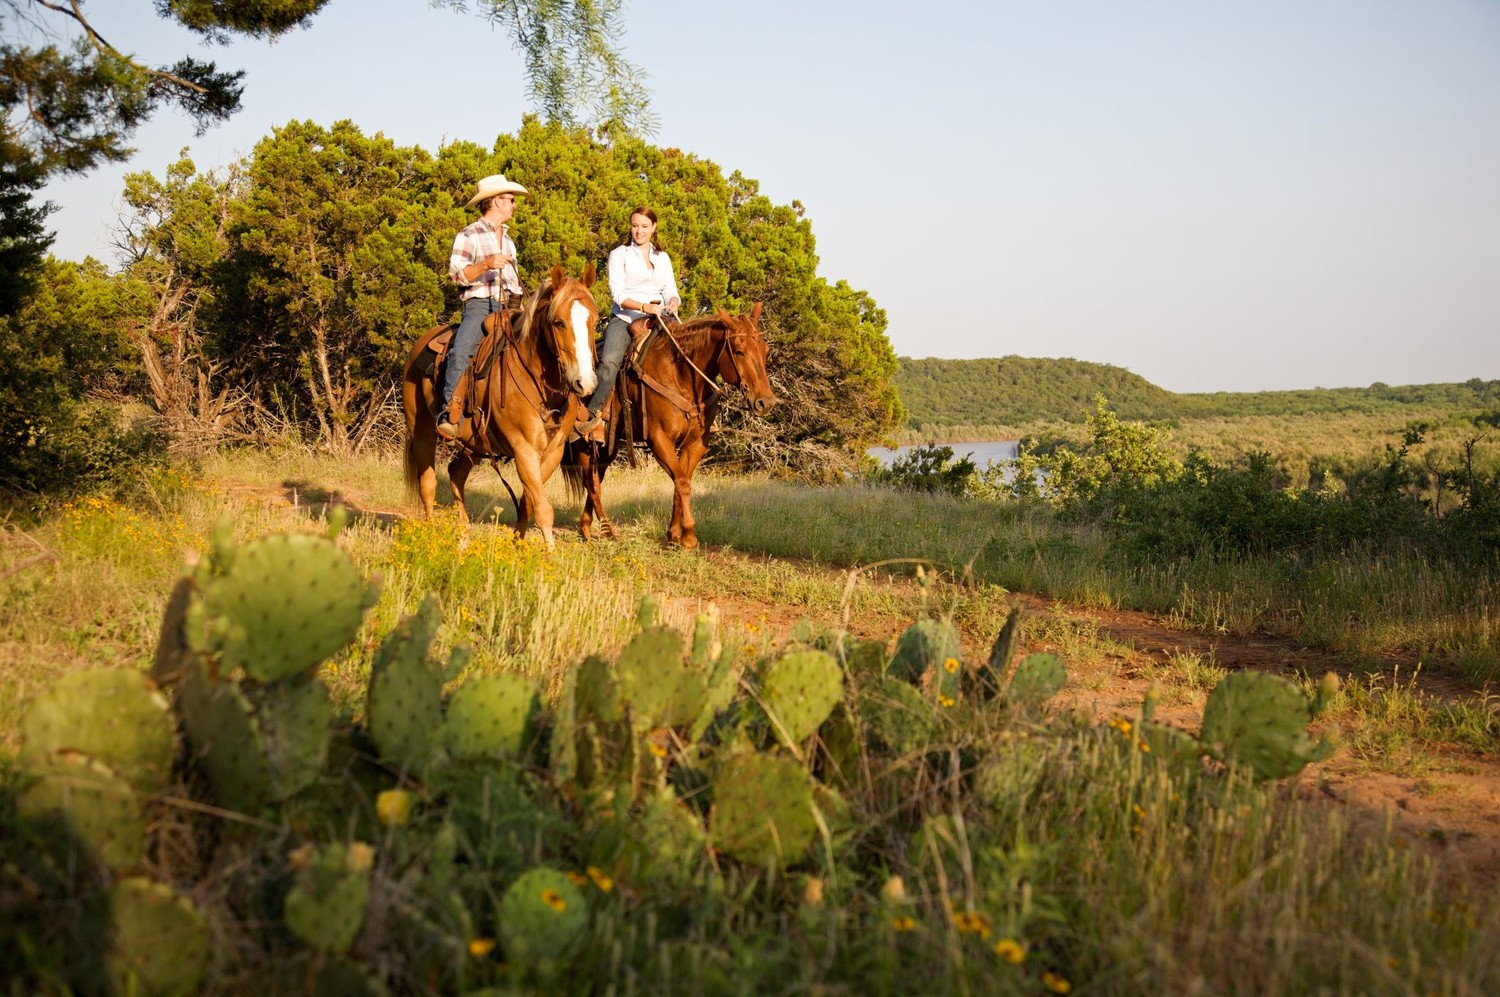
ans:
(724, 316)
(755, 313)
(557, 275)
(588, 275)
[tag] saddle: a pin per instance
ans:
(642, 332)
(434, 358)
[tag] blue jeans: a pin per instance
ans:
(465, 342)
(616, 342)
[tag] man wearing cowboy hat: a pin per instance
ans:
(483, 265)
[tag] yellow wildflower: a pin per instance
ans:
(903, 922)
(951, 665)
(1122, 725)
(1011, 951)
(1056, 983)
(1144, 746)
(359, 857)
(972, 923)
(577, 878)
(481, 947)
(601, 879)
(393, 807)
(1140, 811)
(658, 749)
(945, 701)
(554, 900)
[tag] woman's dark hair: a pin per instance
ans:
(642, 210)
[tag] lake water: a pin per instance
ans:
(981, 452)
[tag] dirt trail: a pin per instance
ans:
(1448, 804)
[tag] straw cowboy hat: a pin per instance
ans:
(497, 184)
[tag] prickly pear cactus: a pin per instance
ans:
(296, 725)
(542, 916)
(723, 683)
(598, 691)
(83, 798)
(562, 743)
(161, 943)
(226, 737)
(405, 705)
(923, 648)
(898, 715)
(763, 809)
(661, 689)
(490, 717)
(113, 714)
(988, 680)
(1166, 744)
(706, 644)
(1038, 678)
(1260, 721)
(800, 690)
(326, 905)
(278, 605)
(172, 651)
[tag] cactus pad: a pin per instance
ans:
(326, 905)
(661, 689)
(283, 604)
(295, 721)
(763, 809)
(171, 643)
(598, 690)
(1167, 744)
(1260, 720)
(161, 943)
(88, 802)
(405, 705)
(225, 735)
(800, 690)
(542, 916)
(490, 717)
(112, 714)
(1038, 678)
(898, 716)
(923, 649)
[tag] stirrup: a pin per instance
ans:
(453, 430)
(583, 429)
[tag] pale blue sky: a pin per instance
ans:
(1214, 194)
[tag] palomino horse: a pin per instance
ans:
(520, 400)
(669, 404)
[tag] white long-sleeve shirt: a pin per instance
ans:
(630, 276)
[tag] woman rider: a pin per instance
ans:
(641, 282)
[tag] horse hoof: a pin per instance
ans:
(609, 531)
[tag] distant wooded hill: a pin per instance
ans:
(1016, 390)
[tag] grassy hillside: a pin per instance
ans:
(1012, 391)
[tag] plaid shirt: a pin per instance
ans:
(475, 243)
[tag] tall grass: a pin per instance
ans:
(1104, 869)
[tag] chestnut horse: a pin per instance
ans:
(668, 405)
(520, 403)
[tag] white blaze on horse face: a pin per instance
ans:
(583, 348)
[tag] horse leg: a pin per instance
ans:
(458, 474)
(667, 456)
(529, 467)
(590, 486)
(687, 463)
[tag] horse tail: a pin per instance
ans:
(573, 479)
(411, 463)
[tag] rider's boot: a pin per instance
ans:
(448, 426)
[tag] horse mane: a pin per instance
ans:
(529, 305)
(691, 332)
